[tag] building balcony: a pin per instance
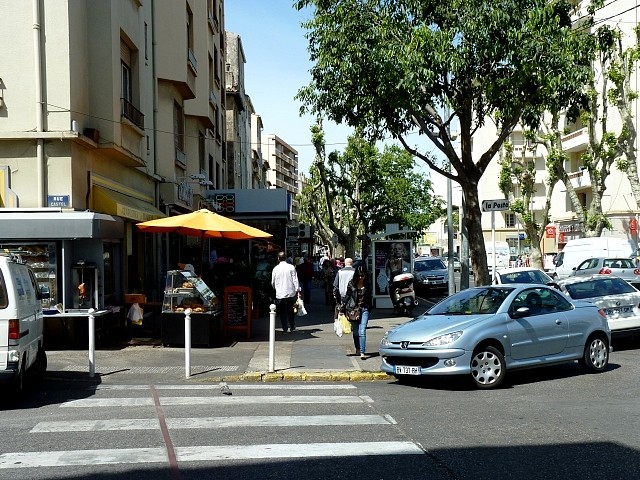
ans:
(131, 113)
(580, 180)
(575, 141)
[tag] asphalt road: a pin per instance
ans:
(548, 423)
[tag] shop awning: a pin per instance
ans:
(17, 224)
(115, 203)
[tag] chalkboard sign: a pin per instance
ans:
(237, 309)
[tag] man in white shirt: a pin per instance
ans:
(340, 283)
(284, 280)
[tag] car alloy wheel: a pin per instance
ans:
(487, 367)
(596, 355)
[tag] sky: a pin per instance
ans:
(277, 66)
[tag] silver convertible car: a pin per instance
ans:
(485, 331)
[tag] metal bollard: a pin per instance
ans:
(187, 342)
(92, 342)
(272, 337)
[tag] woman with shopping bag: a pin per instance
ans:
(357, 305)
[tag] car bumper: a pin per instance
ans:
(452, 361)
(624, 323)
(9, 373)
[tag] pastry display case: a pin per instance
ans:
(184, 290)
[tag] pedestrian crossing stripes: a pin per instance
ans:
(212, 422)
(172, 401)
(205, 453)
(251, 386)
(173, 455)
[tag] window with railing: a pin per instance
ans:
(178, 126)
(131, 113)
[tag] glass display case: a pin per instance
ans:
(41, 257)
(184, 290)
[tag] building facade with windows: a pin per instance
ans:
(283, 163)
(111, 114)
(618, 203)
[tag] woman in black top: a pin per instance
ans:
(359, 294)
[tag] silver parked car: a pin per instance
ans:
(619, 300)
(486, 331)
(624, 268)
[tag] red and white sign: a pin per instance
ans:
(633, 225)
(550, 231)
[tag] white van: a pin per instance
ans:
(579, 249)
(21, 325)
(502, 254)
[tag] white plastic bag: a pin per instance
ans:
(135, 314)
(301, 310)
(337, 327)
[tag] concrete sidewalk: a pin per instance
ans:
(312, 352)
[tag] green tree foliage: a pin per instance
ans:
(391, 67)
(362, 189)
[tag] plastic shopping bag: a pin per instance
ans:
(135, 314)
(301, 310)
(345, 323)
(337, 326)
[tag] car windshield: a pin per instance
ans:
(428, 264)
(598, 287)
(530, 276)
(472, 301)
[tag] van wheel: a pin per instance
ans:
(18, 382)
(39, 367)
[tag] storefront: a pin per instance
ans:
(65, 248)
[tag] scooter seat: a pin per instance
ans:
(403, 277)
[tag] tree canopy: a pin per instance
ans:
(423, 66)
(360, 190)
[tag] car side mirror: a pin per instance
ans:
(521, 312)
(558, 263)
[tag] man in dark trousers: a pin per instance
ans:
(284, 280)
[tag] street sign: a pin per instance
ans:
(495, 205)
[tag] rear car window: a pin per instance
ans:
(619, 263)
(4, 299)
(598, 288)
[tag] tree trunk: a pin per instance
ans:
(477, 249)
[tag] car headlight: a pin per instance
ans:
(445, 339)
(385, 341)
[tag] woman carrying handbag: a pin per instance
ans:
(358, 297)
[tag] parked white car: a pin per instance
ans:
(21, 325)
(522, 275)
(619, 300)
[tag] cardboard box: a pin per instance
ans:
(135, 298)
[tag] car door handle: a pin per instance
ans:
(558, 322)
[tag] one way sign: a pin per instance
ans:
(495, 205)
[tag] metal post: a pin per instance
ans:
(92, 343)
(493, 242)
(272, 337)
(187, 342)
(450, 266)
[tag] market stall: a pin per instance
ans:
(185, 291)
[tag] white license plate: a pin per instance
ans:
(404, 370)
(618, 310)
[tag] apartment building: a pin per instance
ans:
(238, 116)
(618, 204)
(283, 162)
(111, 113)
